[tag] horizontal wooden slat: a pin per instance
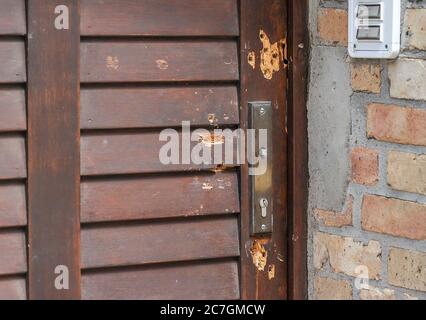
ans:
(207, 281)
(151, 107)
(13, 289)
(136, 152)
(12, 57)
(159, 242)
(12, 17)
(159, 17)
(12, 252)
(12, 110)
(159, 197)
(137, 61)
(13, 210)
(12, 157)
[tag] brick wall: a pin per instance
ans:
(367, 145)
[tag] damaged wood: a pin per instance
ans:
(258, 20)
(259, 255)
(272, 55)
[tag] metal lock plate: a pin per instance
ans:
(261, 172)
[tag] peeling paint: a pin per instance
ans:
(280, 257)
(212, 118)
(222, 168)
(112, 62)
(251, 59)
(259, 255)
(271, 271)
(162, 64)
(212, 139)
(272, 55)
(207, 186)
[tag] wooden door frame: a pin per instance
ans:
(297, 177)
(298, 53)
(288, 19)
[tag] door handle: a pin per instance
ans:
(260, 167)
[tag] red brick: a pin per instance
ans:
(396, 124)
(365, 166)
(394, 217)
(333, 26)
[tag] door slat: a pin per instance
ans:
(13, 208)
(12, 57)
(207, 281)
(12, 109)
(12, 157)
(159, 197)
(153, 107)
(13, 248)
(149, 61)
(159, 18)
(159, 242)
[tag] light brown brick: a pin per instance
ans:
(336, 219)
(394, 217)
(365, 166)
(407, 269)
(333, 26)
(396, 124)
(331, 289)
(415, 29)
(407, 78)
(366, 77)
(345, 255)
(407, 172)
(377, 294)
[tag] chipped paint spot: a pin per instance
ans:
(259, 255)
(221, 168)
(212, 139)
(271, 271)
(207, 186)
(212, 118)
(280, 257)
(112, 63)
(162, 64)
(271, 55)
(251, 59)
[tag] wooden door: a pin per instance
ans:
(82, 185)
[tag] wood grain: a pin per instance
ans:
(206, 281)
(53, 150)
(12, 17)
(159, 17)
(151, 107)
(159, 197)
(12, 157)
(298, 149)
(13, 289)
(12, 110)
(12, 57)
(141, 61)
(106, 153)
(13, 207)
(13, 248)
(159, 242)
(271, 17)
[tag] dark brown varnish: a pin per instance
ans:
(205, 281)
(53, 150)
(159, 18)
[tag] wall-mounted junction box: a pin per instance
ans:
(374, 29)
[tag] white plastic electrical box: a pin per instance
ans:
(374, 29)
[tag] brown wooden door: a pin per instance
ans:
(81, 181)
